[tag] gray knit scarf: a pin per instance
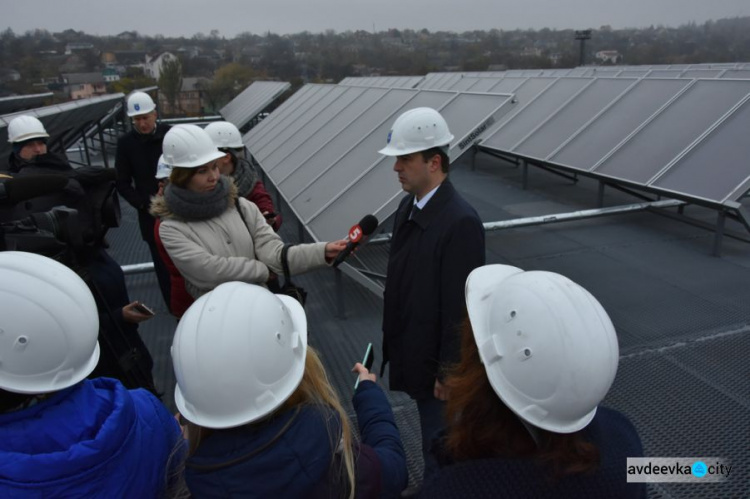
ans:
(244, 176)
(193, 206)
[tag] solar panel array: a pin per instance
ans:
(320, 147)
(447, 81)
(21, 102)
(252, 101)
(63, 122)
(383, 81)
(677, 135)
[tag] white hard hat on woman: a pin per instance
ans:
(48, 325)
(549, 348)
(225, 135)
(189, 146)
(238, 354)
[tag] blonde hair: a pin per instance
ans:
(314, 389)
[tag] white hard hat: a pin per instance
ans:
(225, 134)
(163, 170)
(25, 127)
(549, 348)
(188, 146)
(238, 354)
(48, 325)
(140, 103)
(417, 130)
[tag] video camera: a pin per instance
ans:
(38, 215)
(51, 233)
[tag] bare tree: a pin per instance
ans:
(170, 82)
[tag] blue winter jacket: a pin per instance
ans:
(290, 455)
(95, 439)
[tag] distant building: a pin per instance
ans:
(7, 74)
(110, 75)
(153, 65)
(608, 56)
(129, 57)
(128, 35)
(73, 47)
(84, 85)
(189, 52)
(531, 52)
(190, 101)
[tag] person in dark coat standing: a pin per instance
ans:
(438, 239)
(138, 153)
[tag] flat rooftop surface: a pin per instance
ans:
(682, 315)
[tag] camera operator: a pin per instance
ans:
(34, 219)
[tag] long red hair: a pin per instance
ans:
(481, 426)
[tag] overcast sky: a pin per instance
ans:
(230, 17)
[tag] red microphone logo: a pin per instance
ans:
(355, 234)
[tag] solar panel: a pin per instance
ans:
(62, 121)
(383, 81)
(308, 95)
(584, 107)
(322, 154)
(701, 73)
(625, 115)
(535, 112)
(254, 99)
(737, 73)
(673, 129)
(18, 103)
(716, 168)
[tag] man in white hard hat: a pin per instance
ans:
(138, 154)
(438, 239)
(28, 138)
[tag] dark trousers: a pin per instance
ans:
(431, 421)
(146, 223)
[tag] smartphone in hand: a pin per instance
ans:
(144, 309)
(366, 361)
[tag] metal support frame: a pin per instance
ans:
(573, 177)
(102, 143)
(86, 147)
(473, 158)
(719, 236)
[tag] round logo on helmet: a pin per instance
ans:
(137, 107)
(388, 140)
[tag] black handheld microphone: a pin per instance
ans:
(365, 227)
(19, 189)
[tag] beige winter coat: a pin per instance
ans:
(211, 252)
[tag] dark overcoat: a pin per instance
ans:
(430, 258)
(136, 160)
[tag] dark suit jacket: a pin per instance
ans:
(136, 160)
(431, 257)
